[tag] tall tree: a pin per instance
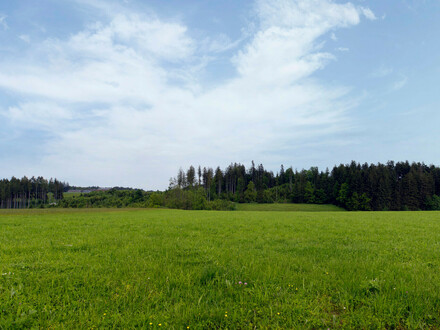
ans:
(190, 176)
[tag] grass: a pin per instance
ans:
(289, 207)
(71, 194)
(179, 269)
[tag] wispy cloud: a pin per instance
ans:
(3, 23)
(130, 103)
(219, 44)
(400, 83)
(368, 13)
(381, 72)
(25, 38)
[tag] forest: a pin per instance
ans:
(355, 187)
(29, 193)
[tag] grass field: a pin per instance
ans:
(71, 194)
(206, 269)
(289, 207)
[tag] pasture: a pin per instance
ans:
(178, 269)
(288, 207)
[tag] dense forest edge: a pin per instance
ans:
(354, 187)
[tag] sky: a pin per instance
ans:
(125, 92)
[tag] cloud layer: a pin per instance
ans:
(124, 104)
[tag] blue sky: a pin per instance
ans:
(125, 92)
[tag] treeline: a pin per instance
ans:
(69, 188)
(354, 186)
(194, 198)
(108, 198)
(29, 193)
(174, 199)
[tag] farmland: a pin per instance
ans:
(206, 269)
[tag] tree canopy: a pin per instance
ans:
(354, 186)
(27, 193)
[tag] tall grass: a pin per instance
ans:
(198, 269)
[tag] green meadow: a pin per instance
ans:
(71, 194)
(161, 268)
(288, 207)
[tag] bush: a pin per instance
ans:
(221, 205)
(155, 200)
(433, 203)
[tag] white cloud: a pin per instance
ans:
(399, 84)
(118, 62)
(343, 49)
(41, 115)
(284, 50)
(124, 99)
(368, 13)
(149, 37)
(218, 44)
(313, 14)
(3, 23)
(25, 38)
(333, 37)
